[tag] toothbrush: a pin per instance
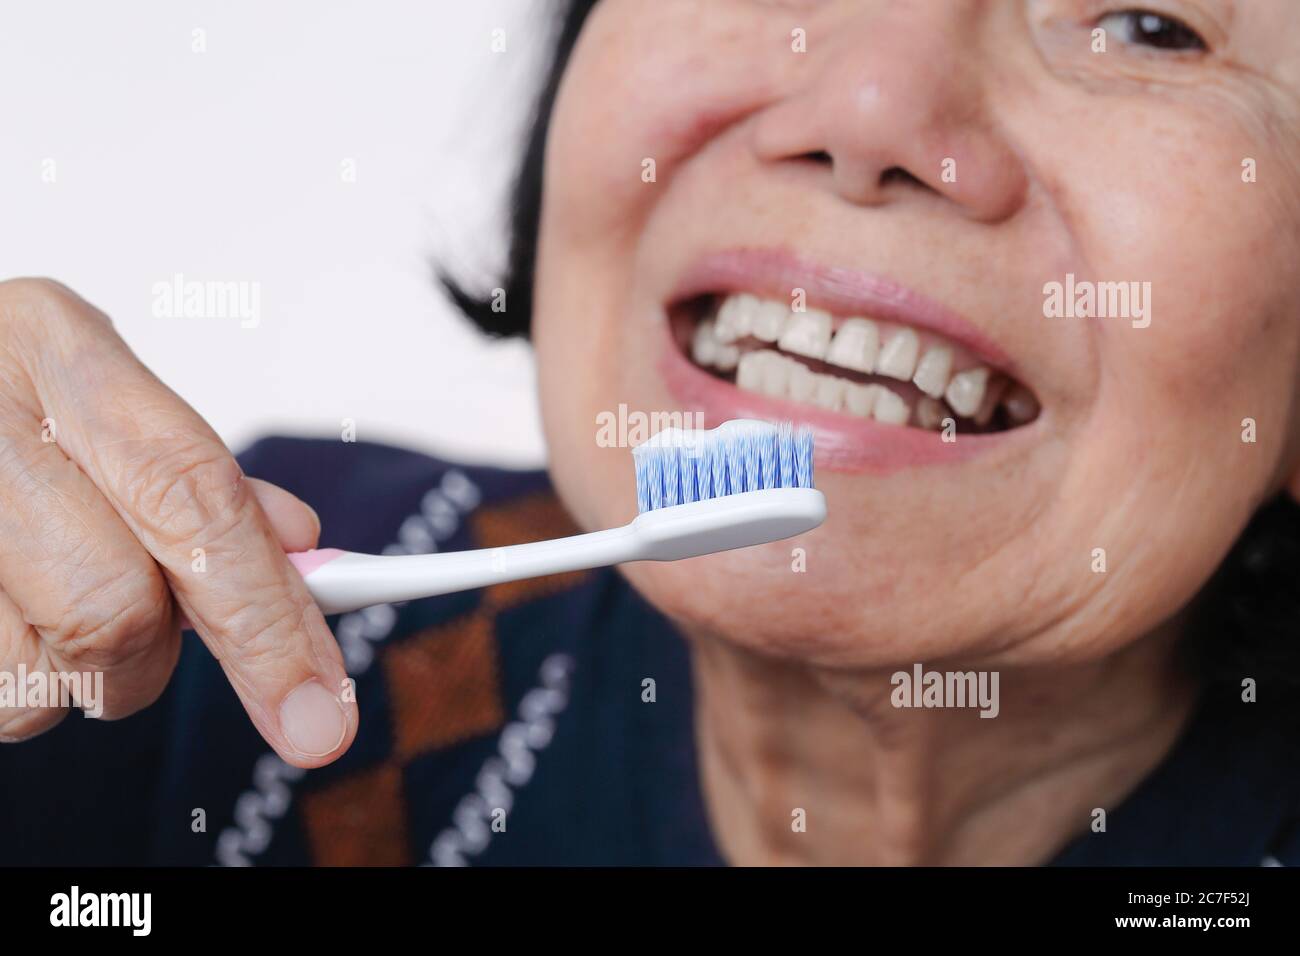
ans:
(698, 492)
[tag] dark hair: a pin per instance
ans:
(525, 202)
(1244, 623)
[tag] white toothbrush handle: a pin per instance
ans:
(342, 581)
(349, 580)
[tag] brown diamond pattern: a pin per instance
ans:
(443, 687)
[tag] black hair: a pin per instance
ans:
(525, 202)
(1244, 623)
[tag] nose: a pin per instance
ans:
(898, 97)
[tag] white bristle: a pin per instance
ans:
(678, 466)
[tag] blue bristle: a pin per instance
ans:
(750, 441)
(718, 464)
(656, 479)
(785, 454)
(642, 482)
(672, 477)
(767, 460)
(735, 456)
(680, 467)
(704, 472)
(803, 459)
(688, 463)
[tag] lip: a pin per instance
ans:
(843, 443)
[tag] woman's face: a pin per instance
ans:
(932, 167)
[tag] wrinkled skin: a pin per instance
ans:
(109, 483)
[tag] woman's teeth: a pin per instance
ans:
(709, 352)
(947, 383)
(897, 358)
(773, 374)
(933, 371)
(965, 391)
(855, 346)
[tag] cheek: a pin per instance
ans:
(596, 484)
(647, 84)
(603, 131)
(1159, 480)
(1215, 257)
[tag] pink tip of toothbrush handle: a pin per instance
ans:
(308, 561)
(305, 561)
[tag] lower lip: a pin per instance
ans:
(843, 443)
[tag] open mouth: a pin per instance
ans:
(855, 365)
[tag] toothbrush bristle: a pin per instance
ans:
(677, 467)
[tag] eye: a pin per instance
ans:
(1144, 28)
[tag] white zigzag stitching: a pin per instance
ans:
(511, 766)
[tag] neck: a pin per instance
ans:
(880, 784)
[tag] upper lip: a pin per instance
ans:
(844, 291)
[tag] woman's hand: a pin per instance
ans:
(121, 510)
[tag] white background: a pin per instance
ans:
(226, 166)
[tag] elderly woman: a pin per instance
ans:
(1026, 267)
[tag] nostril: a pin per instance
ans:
(821, 157)
(899, 175)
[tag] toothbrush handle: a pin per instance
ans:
(342, 581)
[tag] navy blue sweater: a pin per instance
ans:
(521, 706)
